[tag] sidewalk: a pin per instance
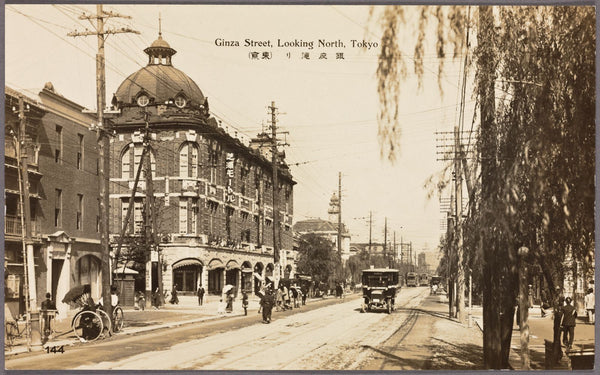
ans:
(137, 321)
(541, 329)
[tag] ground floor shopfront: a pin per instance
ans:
(61, 262)
(188, 267)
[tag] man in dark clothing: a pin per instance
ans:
(200, 295)
(245, 302)
(48, 304)
(568, 322)
(267, 303)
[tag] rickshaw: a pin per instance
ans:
(380, 286)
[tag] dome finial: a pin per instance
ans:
(159, 26)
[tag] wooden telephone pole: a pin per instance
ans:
(339, 232)
(275, 161)
(103, 140)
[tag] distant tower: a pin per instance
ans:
(334, 206)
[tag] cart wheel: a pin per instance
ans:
(106, 321)
(118, 319)
(87, 325)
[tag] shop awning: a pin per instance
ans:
(187, 262)
(215, 263)
(233, 265)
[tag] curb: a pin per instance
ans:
(128, 332)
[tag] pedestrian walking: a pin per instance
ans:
(221, 307)
(229, 299)
(267, 306)
(279, 299)
(200, 295)
(141, 300)
(294, 291)
(590, 306)
(174, 300)
(304, 295)
(156, 299)
(245, 302)
(568, 323)
(48, 311)
(286, 298)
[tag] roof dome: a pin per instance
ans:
(159, 80)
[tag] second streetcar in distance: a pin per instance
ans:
(412, 279)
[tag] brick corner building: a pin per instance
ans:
(213, 191)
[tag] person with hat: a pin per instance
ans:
(568, 323)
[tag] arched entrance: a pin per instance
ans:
(187, 274)
(232, 275)
(258, 276)
(269, 274)
(216, 276)
(90, 272)
(246, 284)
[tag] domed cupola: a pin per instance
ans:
(160, 83)
(159, 52)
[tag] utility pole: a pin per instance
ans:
(385, 253)
(460, 274)
(394, 251)
(29, 285)
(103, 141)
(151, 217)
(29, 259)
(275, 161)
(370, 229)
(339, 232)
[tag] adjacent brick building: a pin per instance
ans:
(213, 189)
(62, 163)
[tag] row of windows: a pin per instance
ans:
(188, 165)
(79, 219)
(59, 150)
(188, 217)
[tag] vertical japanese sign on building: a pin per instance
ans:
(230, 170)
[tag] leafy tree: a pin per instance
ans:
(535, 85)
(318, 258)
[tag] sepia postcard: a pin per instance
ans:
(299, 187)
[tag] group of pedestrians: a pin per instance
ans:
(282, 299)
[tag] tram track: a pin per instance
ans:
(333, 337)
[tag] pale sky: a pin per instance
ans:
(329, 107)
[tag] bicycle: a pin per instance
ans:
(12, 331)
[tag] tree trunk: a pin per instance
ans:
(492, 338)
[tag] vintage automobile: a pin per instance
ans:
(380, 286)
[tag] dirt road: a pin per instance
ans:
(335, 337)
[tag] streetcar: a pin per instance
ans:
(424, 279)
(412, 279)
(380, 287)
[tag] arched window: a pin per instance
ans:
(129, 169)
(126, 163)
(188, 160)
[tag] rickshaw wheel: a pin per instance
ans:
(87, 325)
